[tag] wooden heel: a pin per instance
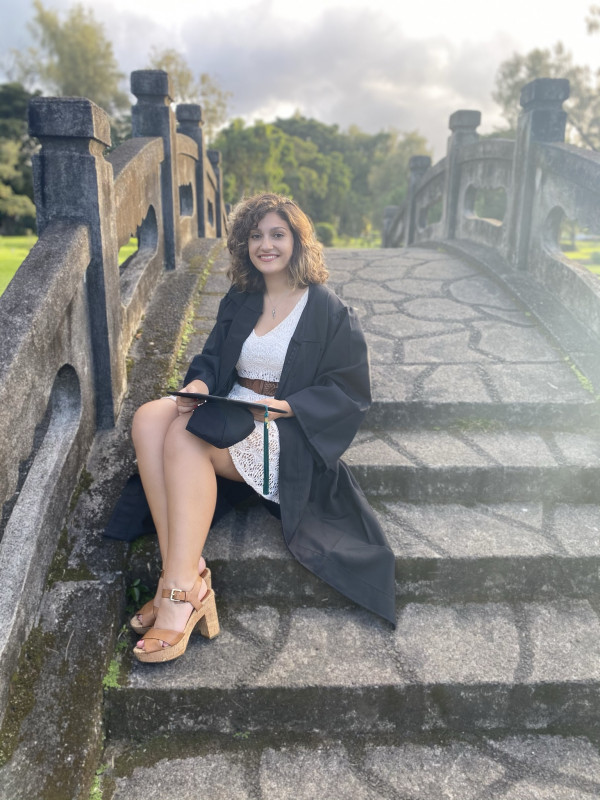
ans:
(151, 610)
(203, 617)
(208, 624)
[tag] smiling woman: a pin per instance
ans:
(284, 341)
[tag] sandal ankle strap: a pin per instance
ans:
(183, 596)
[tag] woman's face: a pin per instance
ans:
(271, 244)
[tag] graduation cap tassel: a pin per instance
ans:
(266, 452)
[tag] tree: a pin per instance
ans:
(73, 57)
(388, 177)
(582, 107)
(593, 20)
(17, 212)
(342, 179)
(251, 159)
(187, 89)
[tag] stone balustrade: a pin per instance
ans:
(70, 312)
(540, 180)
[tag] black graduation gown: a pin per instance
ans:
(327, 522)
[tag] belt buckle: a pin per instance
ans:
(175, 599)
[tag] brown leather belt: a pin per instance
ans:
(263, 388)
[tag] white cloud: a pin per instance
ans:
(401, 65)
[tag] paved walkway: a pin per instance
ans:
(481, 455)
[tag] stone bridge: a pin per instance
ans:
(481, 455)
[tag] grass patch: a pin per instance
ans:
(128, 250)
(115, 674)
(13, 251)
(587, 254)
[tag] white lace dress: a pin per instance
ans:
(262, 358)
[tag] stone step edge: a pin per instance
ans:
(282, 767)
(491, 483)
(565, 708)
(494, 665)
(413, 414)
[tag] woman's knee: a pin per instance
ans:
(151, 417)
(177, 438)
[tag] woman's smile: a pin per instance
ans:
(271, 243)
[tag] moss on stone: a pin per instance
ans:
(59, 568)
(21, 698)
(85, 481)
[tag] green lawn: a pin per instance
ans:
(586, 253)
(14, 249)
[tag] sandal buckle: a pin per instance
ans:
(176, 599)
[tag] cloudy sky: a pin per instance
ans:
(374, 63)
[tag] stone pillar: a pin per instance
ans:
(215, 159)
(389, 215)
(542, 119)
(189, 117)
(73, 181)
(417, 166)
(152, 116)
(463, 125)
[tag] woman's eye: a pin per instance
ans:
(255, 235)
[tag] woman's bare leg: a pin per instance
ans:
(190, 466)
(150, 425)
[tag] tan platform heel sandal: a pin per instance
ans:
(149, 611)
(203, 617)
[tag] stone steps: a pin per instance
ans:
(455, 552)
(245, 766)
(517, 667)
(385, 412)
(481, 456)
(469, 465)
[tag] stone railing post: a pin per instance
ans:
(463, 124)
(542, 119)
(417, 167)
(389, 215)
(73, 181)
(215, 160)
(189, 117)
(152, 116)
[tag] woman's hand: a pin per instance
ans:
(286, 410)
(185, 405)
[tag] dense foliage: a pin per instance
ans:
(17, 212)
(344, 179)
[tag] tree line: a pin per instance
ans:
(343, 179)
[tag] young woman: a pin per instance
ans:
(284, 338)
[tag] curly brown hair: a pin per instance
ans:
(306, 264)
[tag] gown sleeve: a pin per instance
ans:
(330, 410)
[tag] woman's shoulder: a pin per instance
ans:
(234, 298)
(323, 297)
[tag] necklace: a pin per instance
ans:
(274, 307)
